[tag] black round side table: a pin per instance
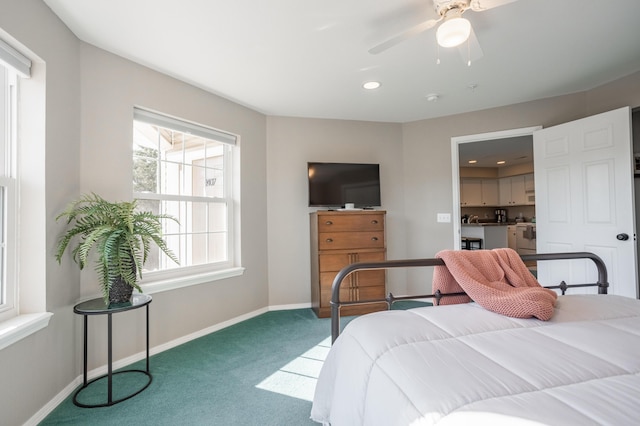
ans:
(98, 307)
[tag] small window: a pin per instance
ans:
(186, 170)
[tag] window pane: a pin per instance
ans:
(170, 178)
(145, 175)
(214, 183)
(175, 209)
(145, 158)
(217, 217)
(174, 243)
(198, 218)
(187, 183)
(199, 249)
(218, 247)
(5, 118)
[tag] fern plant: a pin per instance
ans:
(120, 234)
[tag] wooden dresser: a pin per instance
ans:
(339, 238)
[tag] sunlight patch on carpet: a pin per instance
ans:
(298, 377)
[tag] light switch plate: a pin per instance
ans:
(444, 218)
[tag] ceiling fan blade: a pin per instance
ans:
(470, 50)
(404, 36)
(480, 5)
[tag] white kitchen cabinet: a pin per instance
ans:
(470, 192)
(513, 190)
(490, 192)
(478, 193)
(518, 196)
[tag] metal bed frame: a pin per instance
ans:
(336, 303)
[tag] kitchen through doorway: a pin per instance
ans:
(494, 190)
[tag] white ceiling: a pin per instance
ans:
(309, 58)
(511, 150)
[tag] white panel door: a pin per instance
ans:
(585, 200)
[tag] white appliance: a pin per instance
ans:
(512, 231)
(526, 238)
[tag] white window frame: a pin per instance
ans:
(8, 240)
(26, 294)
(169, 279)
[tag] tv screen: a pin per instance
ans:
(336, 184)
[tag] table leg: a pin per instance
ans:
(84, 376)
(147, 338)
(109, 362)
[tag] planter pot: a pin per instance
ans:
(120, 292)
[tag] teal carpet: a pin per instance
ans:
(258, 372)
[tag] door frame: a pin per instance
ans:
(455, 167)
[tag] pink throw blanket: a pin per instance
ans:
(497, 280)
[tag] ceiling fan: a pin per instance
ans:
(454, 29)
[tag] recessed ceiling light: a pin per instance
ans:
(501, 162)
(473, 161)
(370, 85)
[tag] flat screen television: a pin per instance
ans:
(336, 184)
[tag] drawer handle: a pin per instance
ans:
(374, 238)
(375, 222)
(328, 222)
(329, 240)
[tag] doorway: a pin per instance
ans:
(485, 144)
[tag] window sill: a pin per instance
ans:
(160, 285)
(19, 327)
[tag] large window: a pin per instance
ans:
(23, 225)
(7, 191)
(8, 186)
(186, 170)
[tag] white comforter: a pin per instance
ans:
(462, 364)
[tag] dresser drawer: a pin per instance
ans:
(335, 262)
(350, 240)
(355, 294)
(350, 222)
(357, 279)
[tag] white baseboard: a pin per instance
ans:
(290, 307)
(51, 405)
(63, 394)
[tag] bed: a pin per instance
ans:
(462, 364)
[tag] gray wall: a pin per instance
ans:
(38, 367)
(427, 156)
(110, 87)
(292, 142)
(89, 98)
(416, 169)
(90, 95)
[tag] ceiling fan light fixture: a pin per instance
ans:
(453, 31)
